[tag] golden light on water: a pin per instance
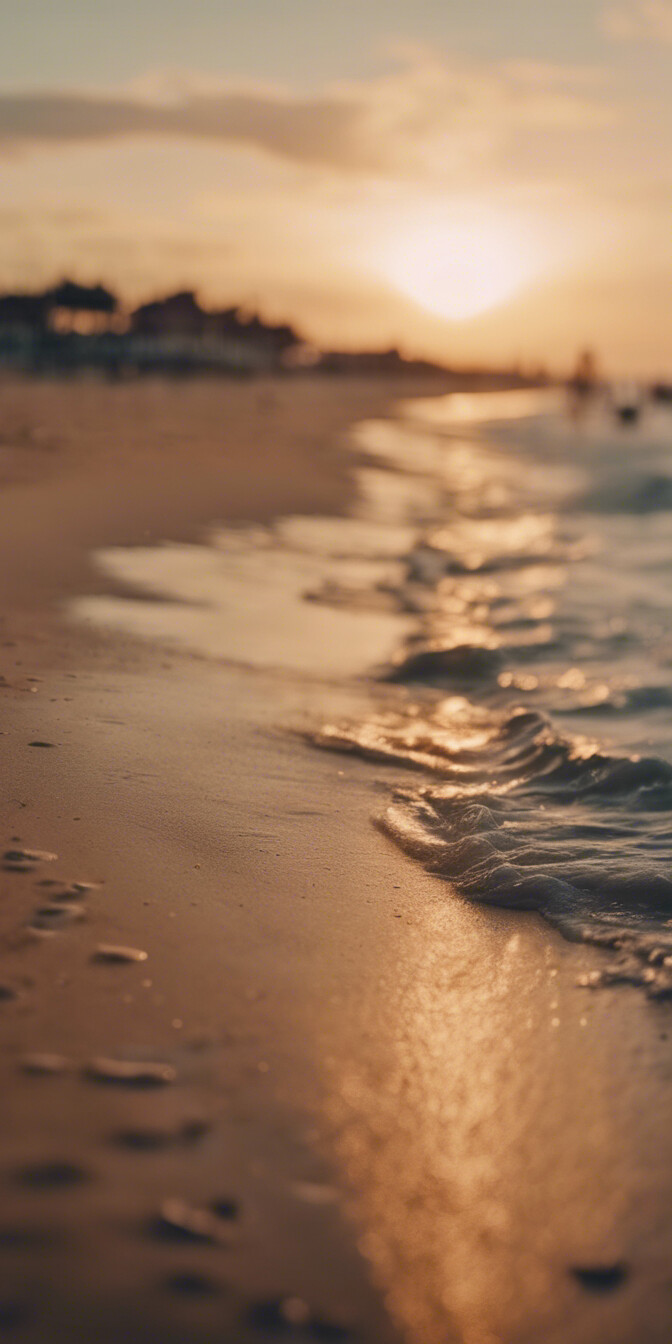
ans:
(460, 263)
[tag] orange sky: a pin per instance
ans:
(486, 183)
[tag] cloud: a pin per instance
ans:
(320, 130)
(638, 20)
(427, 113)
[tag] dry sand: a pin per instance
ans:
(375, 1103)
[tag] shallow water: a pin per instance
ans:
(539, 671)
(505, 573)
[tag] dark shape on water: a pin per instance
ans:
(38, 743)
(600, 1278)
(465, 662)
(627, 403)
(628, 414)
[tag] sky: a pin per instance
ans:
(475, 182)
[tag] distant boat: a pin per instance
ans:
(627, 403)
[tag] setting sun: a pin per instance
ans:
(458, 265)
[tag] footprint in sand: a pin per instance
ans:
(190, 1284)
(113, 955)
(226, 1209)
(143, 1140)
(44, 1065)
(291, 1316)
(129, 1073)
(57, 916)
(148, 1140)
(72, 891)
(600, 1278)
(179, 1221)
(192, 1131)
(54, 1175)
(29, 856)
(25, 860)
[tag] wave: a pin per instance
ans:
(527, 818)
(621, 700)
(595, 880)
(519, 748)
(542, 574)
(461, 663)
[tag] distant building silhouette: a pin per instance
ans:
(185, 335)
(275, 340)
(177, 315)
(86, 309)
(374, 363)
(23, 312)
(72, 326)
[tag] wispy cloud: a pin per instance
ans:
(638, 20)
(428, 112)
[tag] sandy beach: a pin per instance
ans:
(265, 1077)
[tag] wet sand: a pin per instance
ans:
(377, 1111)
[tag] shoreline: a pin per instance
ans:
(397, 1087)
(63, 681)
(85, 465)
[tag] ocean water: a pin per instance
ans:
(537, 713)
(502, 587)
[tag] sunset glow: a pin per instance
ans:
(468, 183)
(461, 265)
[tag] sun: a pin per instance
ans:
(458, 264)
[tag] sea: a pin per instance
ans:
(502, 589)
